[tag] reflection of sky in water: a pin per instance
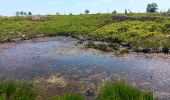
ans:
(29, 60)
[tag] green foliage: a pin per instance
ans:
(114, 12)
(20, 27)
(110, 91)
(152, 8)
(87, 11)
(147, 34)
(113, 91)
(168, 10)
(140, 34)
(16, 91)
(9, 88)
(126, 11)
(122, 91)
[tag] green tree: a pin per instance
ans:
(21, 13)
(70, 13)
(152, 8)
(114, 12)
(29, 13)
(126, 11)
(25, 13)
(57, 13)
(168, 10)
(87, 11)
(17, 13)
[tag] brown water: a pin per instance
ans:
(48, 56)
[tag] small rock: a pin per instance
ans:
(89, 92)
(125, 44)
(165, 50)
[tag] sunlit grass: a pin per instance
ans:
(146, 34)
(16, 91)
(110, 91)
(122, 91)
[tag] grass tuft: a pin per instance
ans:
(16, 91)
(122, 91)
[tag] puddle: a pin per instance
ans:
(49, 56)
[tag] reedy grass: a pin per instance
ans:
(109, 91)
(16, 91)
(122, 91)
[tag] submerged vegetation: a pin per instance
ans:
(142, 32)
(109, 91)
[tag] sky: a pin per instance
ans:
(9, 7)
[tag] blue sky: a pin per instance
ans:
(9, 7)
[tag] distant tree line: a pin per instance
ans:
(151, 8)
(168, 10)
(22, 13)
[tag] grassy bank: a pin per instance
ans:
(140, 32)
(109, 91)
(22, 27)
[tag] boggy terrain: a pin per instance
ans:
(57, 65)
(145, 32)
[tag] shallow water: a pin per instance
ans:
(48, 56)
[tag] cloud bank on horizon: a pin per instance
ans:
(9, 7)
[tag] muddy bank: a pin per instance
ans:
(62, 60)
(122, 48)
(126, 18)
(103, 44)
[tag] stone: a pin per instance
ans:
(89, 92)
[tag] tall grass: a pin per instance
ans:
(122, 91)
(110, 91)
(16, 91)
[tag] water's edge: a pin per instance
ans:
(51, 57)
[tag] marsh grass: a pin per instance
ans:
(110, 91)
(113, 91)
(122, 91)
(148, 33)
(16, 91)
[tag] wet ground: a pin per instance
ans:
(63, 57)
